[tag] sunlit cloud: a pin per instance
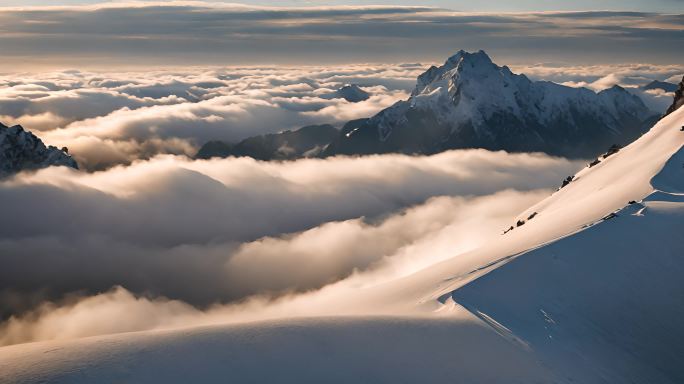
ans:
(115, 118)
(209, 232)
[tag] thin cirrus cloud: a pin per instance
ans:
(202, 33)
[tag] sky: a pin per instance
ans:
(486, 5)
(169, 33)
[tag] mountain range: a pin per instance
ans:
(470, 102)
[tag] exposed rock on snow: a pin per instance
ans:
(567, 181)
(322, 350)
(22, 150)
(678, 98)
(611, 151)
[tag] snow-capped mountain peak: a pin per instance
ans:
(464, 68)
(478, 89)
(22, 150)
(463, 63)
(471, 102)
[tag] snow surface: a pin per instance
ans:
(322, 350)
(567, 297)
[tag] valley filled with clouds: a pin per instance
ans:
(145, 229)
(187, 240)
(219, 231)
(329, 191)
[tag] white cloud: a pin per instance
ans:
(115, 118)
(217, 231)
(349, 254)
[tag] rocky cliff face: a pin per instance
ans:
(21, 150)
(678, 98)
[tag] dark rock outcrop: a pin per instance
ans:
(678, 98)
(22, 150)
(352, 93)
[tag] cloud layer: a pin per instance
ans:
(115, 118)
(108, 118)
(222, 230)
(168, 241)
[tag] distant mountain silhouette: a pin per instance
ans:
(305, 142)
(657, 84)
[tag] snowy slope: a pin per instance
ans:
(322, 350)
(566, 297)
(595, 193)
(603, 304)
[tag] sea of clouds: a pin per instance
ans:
(113, 118)
(185, 236)
(107, 118)
(145, 237)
